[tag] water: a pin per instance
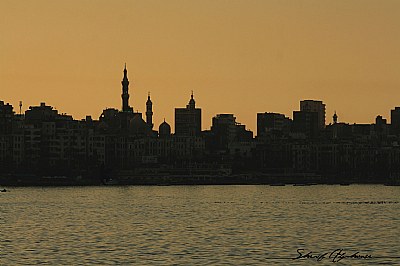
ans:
(198, 225)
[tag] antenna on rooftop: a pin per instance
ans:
(20, 107)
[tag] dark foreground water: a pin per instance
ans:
(199, 225)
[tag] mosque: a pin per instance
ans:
(129, 122)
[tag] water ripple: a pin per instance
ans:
(197, 225)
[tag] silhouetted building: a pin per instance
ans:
(40, 113)
(314, 106)
(395, 120)
(381, 127)
(138, 127)
(270, 123)
(362, 131)
(338, 131)
(242, 134)
(188, 120)
(6, 116)
(306, 122)
(224, 130)
(7, 140)
(109, 118)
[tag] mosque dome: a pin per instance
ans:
(164, 129)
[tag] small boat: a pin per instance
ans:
(392, 184)
(3, 190)
(110, 181)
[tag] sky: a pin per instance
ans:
(240, 57)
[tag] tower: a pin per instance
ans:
(125, 93)
(149, 112)
(188, 120)
(192, 103)
(335, 118)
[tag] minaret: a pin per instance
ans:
(125, 93)
(149, 112)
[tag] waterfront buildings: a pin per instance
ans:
(122, 143)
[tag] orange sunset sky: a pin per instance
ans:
(239, 57)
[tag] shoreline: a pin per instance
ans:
(186, 181)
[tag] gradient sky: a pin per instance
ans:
(239, 57)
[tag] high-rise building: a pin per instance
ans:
(223, 129)
(188, 120)
(306, 122)
(6, 115)
(272, 122)
(314, 106)
(395, 120)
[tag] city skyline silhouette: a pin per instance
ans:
(126, 107)
(125, 146)
(199, 132)
(240, 58)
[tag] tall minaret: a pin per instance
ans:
(125, 93)
(149, 112)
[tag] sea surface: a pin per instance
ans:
(200, 225)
